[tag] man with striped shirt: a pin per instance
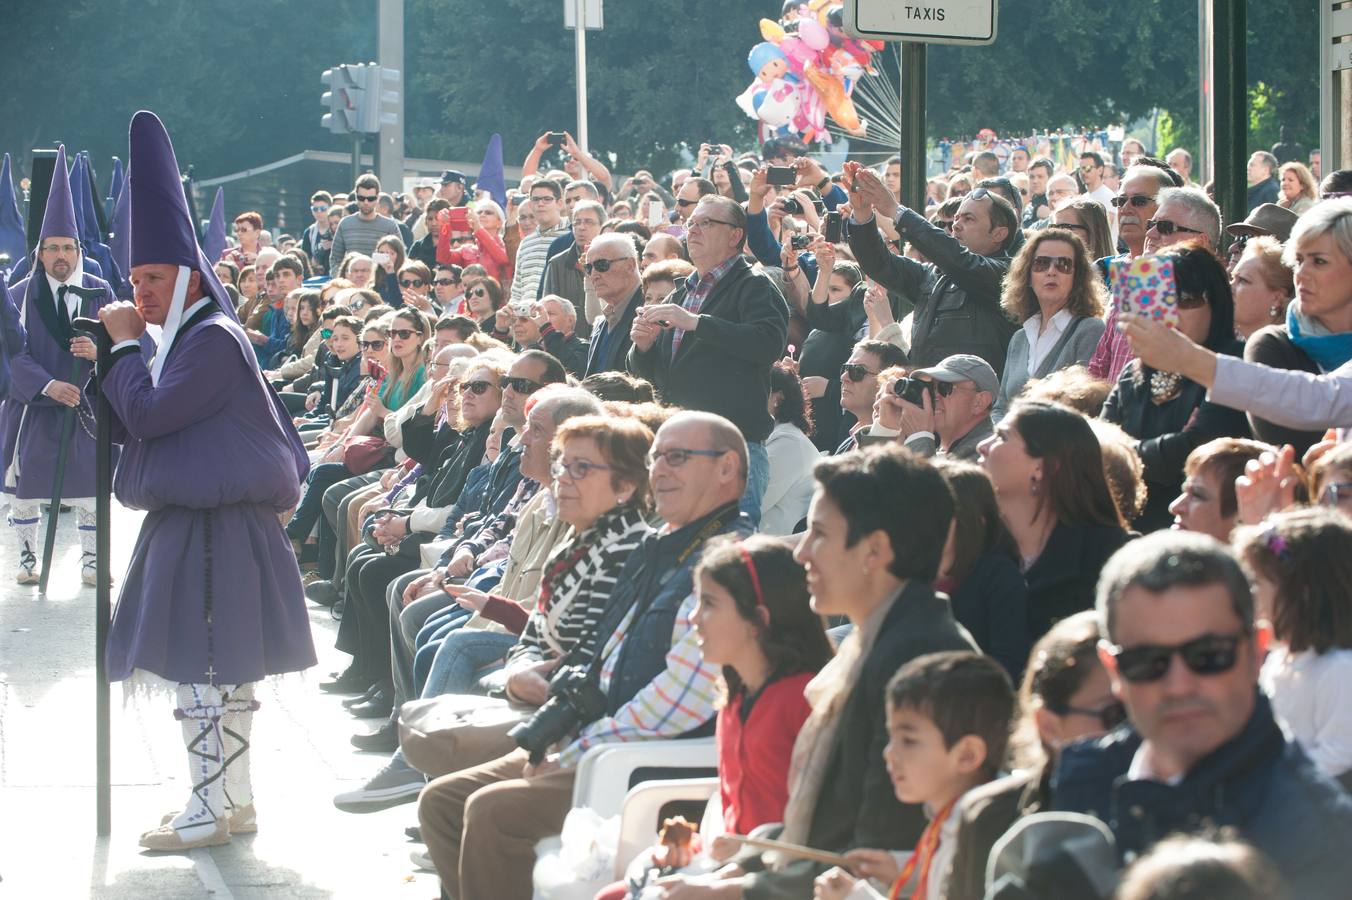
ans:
(359, 233)
(546, 198)
(481, 824)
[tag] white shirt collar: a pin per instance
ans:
(76, 278)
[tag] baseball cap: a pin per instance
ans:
(964, 367)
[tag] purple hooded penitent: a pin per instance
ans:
(214, 243)
(115, 182)
(37, 343)
(12, 240)
(59, 218)
(213, 593)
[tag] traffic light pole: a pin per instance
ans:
(356, 156)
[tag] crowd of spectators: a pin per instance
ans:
(824, 476)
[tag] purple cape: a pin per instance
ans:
(206, 454)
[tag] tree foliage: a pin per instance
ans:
(238, 84)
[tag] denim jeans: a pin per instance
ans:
(464, 656)
(758, 475)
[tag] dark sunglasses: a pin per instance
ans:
(1137, 200)
(371, 345)
(404, 333)
(476, 387)
(361, 198)
(319, 207)
(1064, 264)
(1109, 717)
(411, 282)
(978, 194)
(1210, 654)
(478, 292)
(445, 282)
(601, 265)
(855, 372)
(522, 385)
(1166, 228)
(680, 202)
(945, 224)
(1191, 301)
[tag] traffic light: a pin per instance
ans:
(382, 89)
(344, 98)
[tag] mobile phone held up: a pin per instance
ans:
(1145, 286)
(556, 137)
(781, 175)
(832, 228)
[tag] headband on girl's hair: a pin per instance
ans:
(755, 578)
(1276, 544)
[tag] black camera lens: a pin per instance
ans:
(574, 699)
(912, 390)
(792, 207)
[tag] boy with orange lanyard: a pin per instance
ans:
(948, 721)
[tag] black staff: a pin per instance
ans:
(63, 450)
(103, 601)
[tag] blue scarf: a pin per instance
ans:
(1328, 350)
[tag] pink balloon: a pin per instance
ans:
(797, 51)
(813, 34)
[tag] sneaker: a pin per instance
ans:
(391, 786)
(28, 566)
(422, 859)
(321, 591)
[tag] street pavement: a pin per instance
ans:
(304, 848)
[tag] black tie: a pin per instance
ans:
(62, 310)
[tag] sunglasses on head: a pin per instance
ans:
(404, 333)
(601, 265)
(1064, 264)
(411, 282)
(475, 387)
(522, 385)
(1210, 654)
(371, 345)
(1166, 228)
(1137, 200)
(1109, 717)
(855, 372)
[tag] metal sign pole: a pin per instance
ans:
(580, 45)
(914, 170)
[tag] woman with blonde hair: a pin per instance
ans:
(1298, 190)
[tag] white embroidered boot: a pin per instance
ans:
(86, 524)
(202, 823)
(24, 516)
(236, 726)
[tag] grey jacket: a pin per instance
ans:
(1285, 396)
(1075, 347)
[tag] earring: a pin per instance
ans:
(1032, 486)
(1273, 311)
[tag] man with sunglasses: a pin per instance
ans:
(954, 415)
(612, 268)
(447, 288)
(957, 293)
(564, 274)
(360, 233)
(694, 190)
(1202, 749)
(1181, 214)
(859, 385)
(1091, 175)
(317, 239)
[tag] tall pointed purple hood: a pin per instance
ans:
(59, 218)
(85, 220)
(12, 239)
(161, 227)
(214, 243)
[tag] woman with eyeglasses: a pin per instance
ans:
(1047, 468)
(1064, 697)
(1053, 290)
(1301, 565)
(1295, 380)
(1168, 413)
(1088, 220)
(389, 257)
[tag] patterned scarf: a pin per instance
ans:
(601, 549)
(826, 694)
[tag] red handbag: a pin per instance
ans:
(362, 454)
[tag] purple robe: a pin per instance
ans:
(212, 455)
(30, 422)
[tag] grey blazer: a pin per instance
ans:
(1075, 346)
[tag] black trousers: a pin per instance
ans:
(365, 629)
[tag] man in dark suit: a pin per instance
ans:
(711, 346)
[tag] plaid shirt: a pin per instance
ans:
(697, 290)
(678, 700)
(1113, 351)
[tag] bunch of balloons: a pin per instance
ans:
(805, 69)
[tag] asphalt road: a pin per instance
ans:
(305, 848)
